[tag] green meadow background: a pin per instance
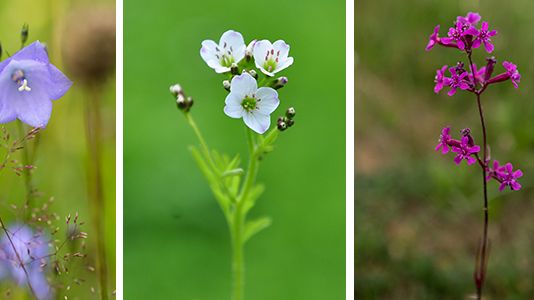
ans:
(419, 216)
(176, 244)
(62, 157)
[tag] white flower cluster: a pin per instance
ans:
(246, 100)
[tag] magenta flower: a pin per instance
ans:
(444, 140)
(28, 84)
(458, 33)
(464, 151)
(440, 79)
(511, 70)
(471, 18)
(434, 39)
(505, 175)
(484, 37)
(479, 73)
(456, 81)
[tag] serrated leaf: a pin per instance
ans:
(252, 227)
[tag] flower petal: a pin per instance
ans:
(233, 107)
(59, 83)
(34, 51)
(267, 100)
(233, 41)
(257, 121)
(260, 51)
(243, 85)
(281, 46)
(286, 63)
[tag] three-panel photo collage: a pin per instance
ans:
(246, 150)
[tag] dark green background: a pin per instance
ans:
(176, 244)
(419, 216)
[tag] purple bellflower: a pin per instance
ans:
(28, 84)
(31, 247)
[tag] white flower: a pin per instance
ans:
(231, 49)
(272, 58)
(252, 104)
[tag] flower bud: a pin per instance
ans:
(181, 102)
(234, 69)
(489, 67)
(290, 122)
(175, 89)
(248, 51)
(290, 113)
(24, 33)
(253, 74)
(226, 85)
(279, 83)
(281, 126)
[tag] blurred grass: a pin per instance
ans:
(62, 157)
(418, 216)
(173, 229)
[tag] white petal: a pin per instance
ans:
(233, 107)
(243, 85)
(281, 46)
(257, 121)
(267, 100)
(208, 50)
(232, 43)
(284, 64)
(260, 51)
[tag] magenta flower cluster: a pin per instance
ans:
(465, 36)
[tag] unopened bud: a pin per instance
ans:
(282, 126)
(24, 34)
(175, 89)
(249, 50)
(290, 112)
(253, 74)
(279, 83)
(290, 122)
(234, 69)
(181, 102)
(489, 67)
(226, 85)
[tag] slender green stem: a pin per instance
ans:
(203, 143)
(26, 172)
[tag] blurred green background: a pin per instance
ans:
(419, 216)
(176, 244)
(62, 158)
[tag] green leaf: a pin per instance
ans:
(254, 193)
(254, 226)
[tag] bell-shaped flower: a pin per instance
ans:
(272, 58)
(28, 84)
(251, 103)
(220, 57)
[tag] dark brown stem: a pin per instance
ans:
(19, 259)
(480, 271)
